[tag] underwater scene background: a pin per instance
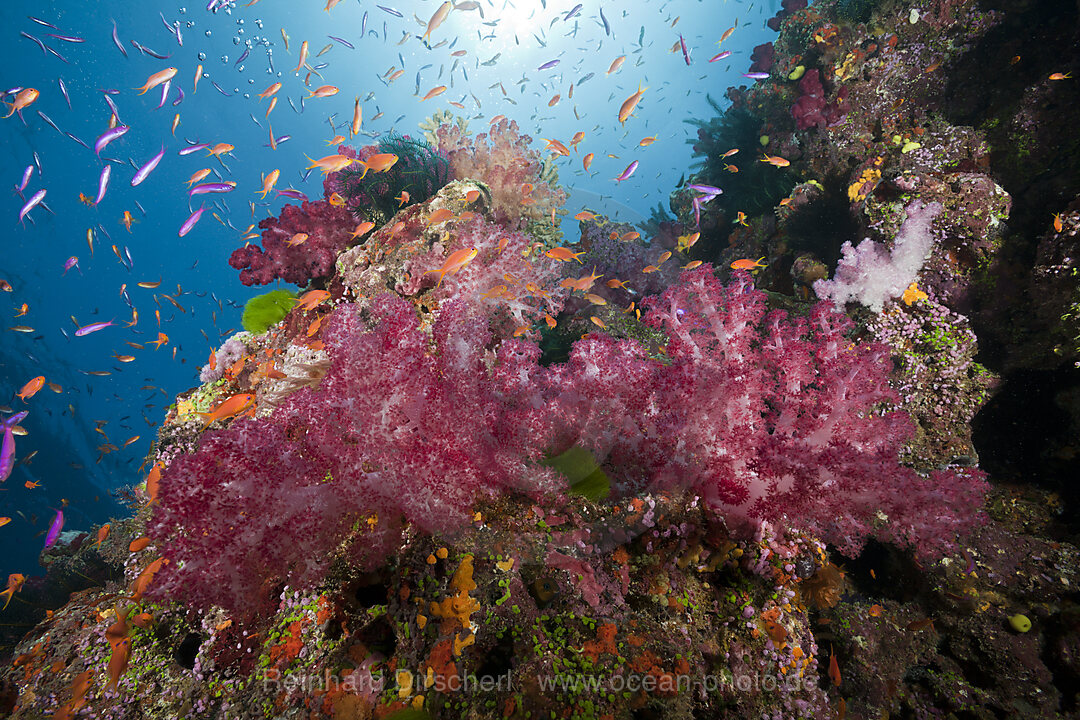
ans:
(525, 359)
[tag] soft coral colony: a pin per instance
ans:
(376, 488)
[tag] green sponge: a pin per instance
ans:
(262, 311)
(583, 473)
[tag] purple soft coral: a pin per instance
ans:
(328, 233)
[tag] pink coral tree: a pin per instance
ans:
(767, 418)
(328, 233)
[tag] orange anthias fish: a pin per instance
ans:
(440, 215)
(322, 92)
(268, 182)
(127, 220)
(556, 147)
(221, 149)
(362, 228)
(30, 389)
(336, 200)
(14, 584)
(587, 161)
(563, 254)
(630, 103)
(616, 64)
(303, 56)
(454, 263)
(228, 408)
(380, 162)
(330, 163)
(834, 669)
(775, 161)
(357, 118)
(312, 298)
(24, 98)
(197, 176)
(748, 264)
(156, 79)
(270, 91)
(146, 577)
(434, 92)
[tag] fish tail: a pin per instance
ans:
(12, 106)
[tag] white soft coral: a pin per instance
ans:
(871, 274)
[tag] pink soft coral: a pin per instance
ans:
(328, 230)
(502, 160)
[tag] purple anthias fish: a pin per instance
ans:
(54, 529)
(146, 169)
(165, 87)
(720, 55)
(548, 65)
(190, 222)
(92, 328)
(107, 137)
(685, 54)
(103, 183)
(390, 10)
(294, 194)
(26, 177)
(221, 187)
(630, 170)
(346, 43)
(7, 448)
(757, 75)
(116, 39)
(72, 262)
(706, 190)
(574, 11)
(34, 200)
(194, 148)
(67, 38)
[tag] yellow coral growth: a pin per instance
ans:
(459, 606)
(864, 185)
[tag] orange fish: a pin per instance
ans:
(14, 584)
(30, 389)
(303, 56)
(587, 161)
(117, 636)
(585, 215)
(197, 176)
(630, 103)
(362, 228)
(336, 200)
(616, 64)
(268, 182)
(270, 91)
(440, 215)
(162, 338)
(554, 101)
(228, 408)
(312, 298)
(748, 264)
(834, 668)
(127, 220)
(324, 91)
(221, 149)
(330, 163)
(102, 533)
(24, 98)
(775, 161)
(156, 79)
(138, 544)
(1060, 76)
(380, 162)
(434, 92)
(563, 254)
(145, 577)
(454, 263)
(471, 196)
(557, 147)
(357, 118)
(646, 142)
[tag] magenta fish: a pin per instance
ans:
(103, 183)
(756, 75)
(33, 202)
(685, 54)
(26, 177)
(221, 187)
(294, 194)
(7, 449)
(720, 55)
(548, 65)
(193, 148)
(54, 529)
(107, 137)
(92, 328)
(630, 170)
(190, 222)
(72, 262)
(146, 169)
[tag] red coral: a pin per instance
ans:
(811, 108)
(328, 229)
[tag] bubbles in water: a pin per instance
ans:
(241, 68)
(225, 58)
(235, 40)
(202, 56)
(183, 10)
(240, 31)
(207, 33)
(191, 23)
(247, 96)
(258, 23)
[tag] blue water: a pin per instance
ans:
(63, 427)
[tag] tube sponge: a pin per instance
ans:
(871, 274)
(262, 311)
